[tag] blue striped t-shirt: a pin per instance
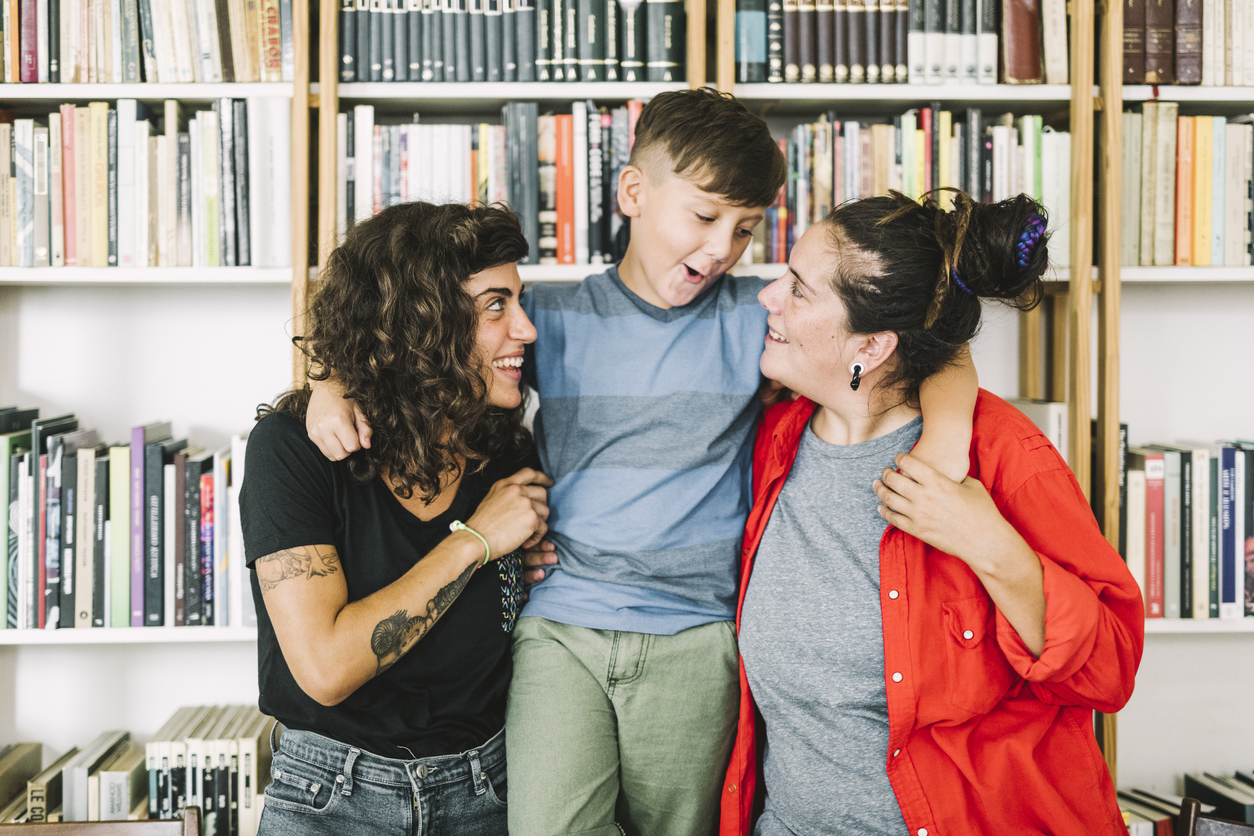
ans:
(645, 424)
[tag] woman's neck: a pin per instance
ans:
(859, 417)
(450, 483)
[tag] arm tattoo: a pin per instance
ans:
(394, 635)
(300, 562)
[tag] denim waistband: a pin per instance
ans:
(353, 764)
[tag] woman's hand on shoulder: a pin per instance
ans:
(335, 423)
(959, 518)
(514, 512)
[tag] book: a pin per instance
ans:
(1021, 42)
(1183, 225)
(1188, 41)
(139, 491)
(123, 782)
(1159, 42)
(44, 791)
(120, 586)
(75, 773)
(1230, 799)
(666, 39)
(1151, 462)
(19, 762)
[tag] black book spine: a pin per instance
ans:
(609, 14)
(857, 41)
(557, 43)
(901, 24)
(935, 107)
(934, 28)
(145, 41)
(69, 504)
(667, 20)
(178, 782)
(54, 42)
(840, 41)
(608, 187)
(400, 41)
(361, 54)
(387, 44)
(154, 563)
(233, 794)
(99, 513)
(527, 24)
(872, 24)
(509, 40)
(478, 40)
(888, 42)
(243, 241)
(635, 42)
(953, 31)
(570, 40)
(193, 590)
(824, 11)
(774, 40)
(375, 36)
(807, 40)
(414, 21)
(350, 161)
(494, 45)
(595, 174)
(751, 41)
(792, 42)
(1186, 534)
(590, 34)
(544, 39)
(431, 53)
(461, 46)
(113, 187)
(50, 507)
(226, 197)
(222, 789)
(447, 12)
(970, 69)
(348, 40)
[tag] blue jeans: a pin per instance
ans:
(321, 786)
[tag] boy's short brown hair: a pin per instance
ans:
(712, 139)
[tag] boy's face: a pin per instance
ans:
(683, 239)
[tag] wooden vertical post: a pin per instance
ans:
(696, 43)
(1057, 390)
(725, 57)
(328, 136)
(300, 179)
(1080, 309)
(1031, 361)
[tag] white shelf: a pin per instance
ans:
(1182, 626)
(1185, 275)
(114, 276)
(145, 91)
(1191, 93)
(472, 97)
(879, 97)
(129, 635)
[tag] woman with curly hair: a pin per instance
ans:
(387, 583)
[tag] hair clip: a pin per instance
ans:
(1029, 239)
(953, 274)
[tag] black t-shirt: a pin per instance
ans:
(447, 694)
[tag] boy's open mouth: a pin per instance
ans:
(693, 275)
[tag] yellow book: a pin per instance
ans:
(210, 187)
(946, 128)
(99, 166)
(1203, 188)
(481, 164)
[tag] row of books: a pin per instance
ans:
(512, 40)
(167, 41)
(100, 186)
(1187, 528)
(1230, 796)
(901, 41)
(139, 535)
(558, 172)
(213, 757)
(1207, 42)
(833, 161)
(1187, 188)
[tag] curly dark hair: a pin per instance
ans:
(394, 326)
(913, 268)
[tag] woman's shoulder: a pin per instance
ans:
(281, 434)
(1008, 443)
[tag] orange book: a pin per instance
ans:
(15, 51)
(633, 113)
(565, 188)
(1184, 190)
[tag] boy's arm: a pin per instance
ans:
(335, 423)
(947, 400)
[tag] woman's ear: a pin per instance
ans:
(875, 350)
(630, 188)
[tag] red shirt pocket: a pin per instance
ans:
(979, 675)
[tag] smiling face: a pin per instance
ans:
(683, 239)
(504, 330)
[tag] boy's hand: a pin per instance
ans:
(335, 424)
(535, 560)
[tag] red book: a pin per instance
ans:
(41, 535)
(206, 547)
(633, 114)
(565, 188)
(67, 184)
(1151, 461)
(925, 125)
(28, 32)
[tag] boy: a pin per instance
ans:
(624, 697)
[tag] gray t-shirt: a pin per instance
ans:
(813, 644)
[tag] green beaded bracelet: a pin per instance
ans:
(458, 525)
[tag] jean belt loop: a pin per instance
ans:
(476, 772)
(347, 787)
(274, 738)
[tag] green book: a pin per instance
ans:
(10, 444)
(119, 536)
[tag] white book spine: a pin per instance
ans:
(934, 50)
(1054, 36)
(1001, 162)
(6, 59)
(210, 186)
(181, 37)
(1247, 39)
(198, 205)
(341, 176)
(41, 40)
(953, 58)
(1136, 529)
(1130, 250)
(108, 572)
(579, 112)
(1208, 41)
(1219, 133)
(916, 47)
(166, 253)
(127, 109)
(259, 186)
(207, 40)
(280, 178)
(969, 49)
(1201, 532)
(1165, 191)
(143, 162)
(115, 51)
(56, 194)
(1235, 72)
(363, 167)
(69, 41)
(1234, 198)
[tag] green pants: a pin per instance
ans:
(611, 732)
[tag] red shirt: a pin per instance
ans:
(984, 738)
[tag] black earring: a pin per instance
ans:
(856, 368)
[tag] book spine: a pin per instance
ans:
(1165, 185)
(1188, 47)
(751, 40)
(953, 41)
(111, 125)
(463, 46)
(401, 46)
(387, 38)
(1054, 37)
(557, 42)
(138, 520)
(1159, 46)
(183, 205)
(591, 39)
(856, 28)
(807, 37)
(68, 555)
(916, 43)
(1184, 191)
(243, 218)
(871, 23)
(666, 39)
(509, 38)
(271, 41)
(596, 165)
(119, 536)
(774, 40)
(970, 47)
(840, 41)
(544, 43)
(28, 37)
(934, 40)
(1186, 534)
(154, 564)
(1229, 605)
(52, 40)
(126, 118)
(546, 171)
(99, 516)
(987, 42)
(40, 187)
(1021, 41)
(570, 40)
(1134, 42)
(565, 189)
(888, 41)
(348, 40)
(1154, 531)
(226, 197)
(792, 41)
(528, 26)
(493, 40)
(209, 600)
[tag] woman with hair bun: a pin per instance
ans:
(920, 656)
(387, 583)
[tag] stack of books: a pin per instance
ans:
(101, 186)
(1186, 188)
(144, 534)
(166, 41)
(512, 40)
(902, 41)
(1208, 42)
